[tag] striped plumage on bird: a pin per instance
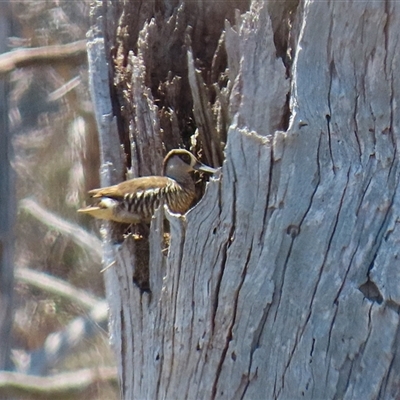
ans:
(135, 200)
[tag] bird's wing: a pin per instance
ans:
(132, 186)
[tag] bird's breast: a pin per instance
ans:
(179, 198)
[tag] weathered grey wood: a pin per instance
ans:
(112, 168)
(261, 84)
(7, 205)
(351, 339)
(203, 115)
(282, 282)
(144, 126)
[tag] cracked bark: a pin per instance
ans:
(282, 282)
(7, 209)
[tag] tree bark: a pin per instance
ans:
(7, 209)
(282, 283)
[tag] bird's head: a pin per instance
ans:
(180, 161)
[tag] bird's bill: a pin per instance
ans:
(205, 168)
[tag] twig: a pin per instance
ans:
(64, 89)
(56, 385)
(73, 231)
(56, 286)
(71, 53)
(59, 344)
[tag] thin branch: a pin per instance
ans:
(56, 385)
(60, 344)
(71, 53)
(64, 89)
(56, 286)
(82, 238)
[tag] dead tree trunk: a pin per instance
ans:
(7, 205)
(283, 281)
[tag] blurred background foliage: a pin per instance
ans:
(56, 161)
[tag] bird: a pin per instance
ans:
(134, 201)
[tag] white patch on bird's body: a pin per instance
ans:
(106, 202)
